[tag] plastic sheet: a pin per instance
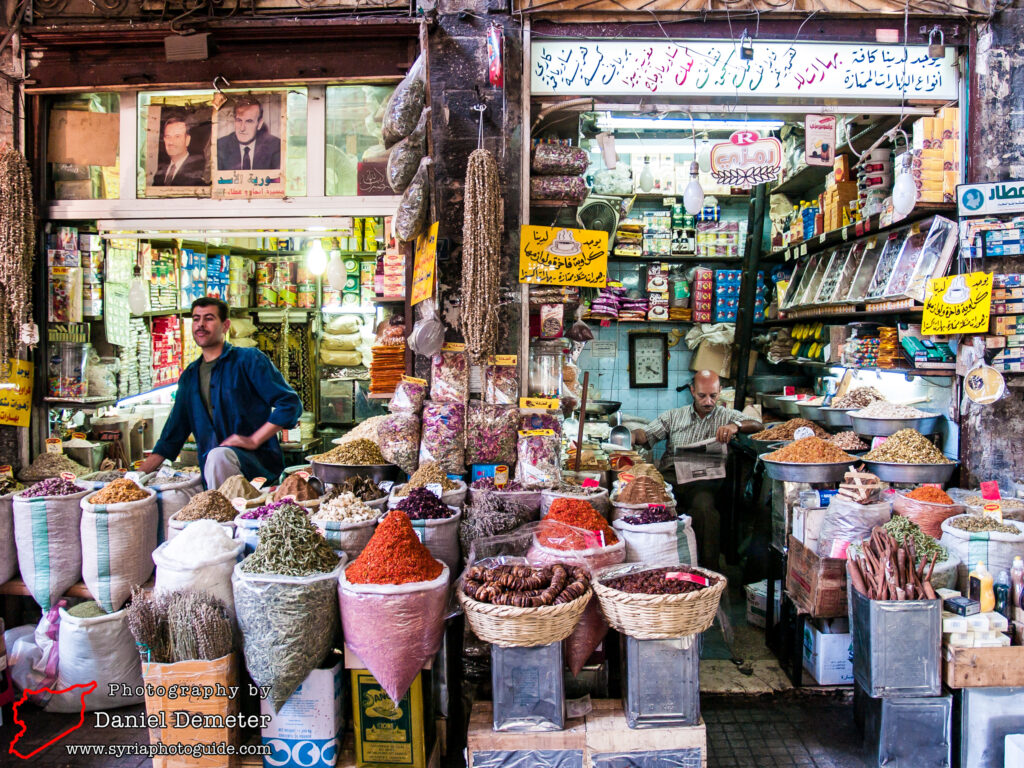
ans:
(598, 501)
(847, 522)
(288, 624)
(394, 629)
(558, 160)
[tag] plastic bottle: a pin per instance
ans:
(981, 587)
(1017, 580)
(1002, 594)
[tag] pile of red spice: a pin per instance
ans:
(394, 555)
(578, 514)
(930, 494)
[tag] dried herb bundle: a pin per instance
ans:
(179, 626)
(17, 246)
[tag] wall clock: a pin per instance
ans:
(648, 360)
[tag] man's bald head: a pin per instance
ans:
(705, 387)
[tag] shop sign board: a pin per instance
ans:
(423, 266)
(715, 68)
(604, 349)
(16, 395)
(989, 199)
(746, 159)
(957, 304)
(562, 256)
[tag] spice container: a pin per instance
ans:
(546, 369)
(662, 681)
(528, 688)
(67, 370)
(907, 730)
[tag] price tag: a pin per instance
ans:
(78, 436)
(539, 403)
(303, 474)
(417, 528)
(7, 471)
(606, 323)
(501, 475)
(135, 477)
(803, 432)
(503, 360)
(859, 228)
(536, 433)
(656, 507)
(54, 445)
(386, 485)
(693, 578)
(803, 249)
(258, 482)
(238, 503)
(435, 488)
(846, 233)
(69, 476)
(990, 490)
(453, 347)
(593, 539)
(867, 225)
(626, 477)
(165, 472)
(821, 239)
(414, 380)
(589, 482)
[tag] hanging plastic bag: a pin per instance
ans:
(405, 156)
(449, 377)
(491, 433)
(409, 396)
(427, 335)
(411, 217)
(403, 109)
(539, 463)
(443, 434)
(579, 331)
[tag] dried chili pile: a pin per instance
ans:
(394, 555)
(930, 494)
(661, 581)
(578, 514)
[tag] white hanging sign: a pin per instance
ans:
(777, 70)
(746, 159)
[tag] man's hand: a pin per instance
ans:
(639, 436)
(151, 463)
(727, 433)
(240, 441)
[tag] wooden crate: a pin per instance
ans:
(481, 737)
(608, 734)
(983, 667)
(816, 584)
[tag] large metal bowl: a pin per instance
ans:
(811, 412)
(603, 407)
(339, 473)
(911, 473)
(807, 473)
(836, 417)
(787, 405)
(927, 425)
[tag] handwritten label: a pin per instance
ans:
(604, 349)
(258, 482)
(536, 432)
(541, 403)
(436, 489)
(16, 395)
(54, 445)
(777, 69)
(563, 256)
(803, 432)
(693, 578)
(238, 503)
(990, 490)
(423, 266)
(957, 304)
(453, 347)
(503, 360)
(69, 476)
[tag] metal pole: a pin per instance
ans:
(748, 291)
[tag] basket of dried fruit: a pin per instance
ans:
(659, 603)
(516, 605)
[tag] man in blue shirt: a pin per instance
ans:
(233, 400)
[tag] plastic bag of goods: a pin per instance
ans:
(404, 158)
(432, 476)
(393, 599)
(411, 216)
(202, 558)
(118, 540)
(399, 437)
(596, 497)
(409, 396)
(101, 650)
(928, 510)
(449, 373)
(405, 105)
(847, 522)
(285, 602)
(347, 523)
(658, 535)
(974, 539)
(527, 500)
(442, 436)
(173, 491)
(491, 433)
(436, 524)
(490, 514)
(538, 462)
(8, 549)
(501, 385)
(48, 538)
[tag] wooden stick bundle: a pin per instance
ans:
(885, 569)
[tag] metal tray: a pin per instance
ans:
(787, 406)
(339, 473)
(911, 473)
(836, 417)
(810, 412)
(807, 473)
(926, 425)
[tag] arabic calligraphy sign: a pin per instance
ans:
(746, 159)
(423, 266)
(16, 395)
(558, 256)
(957, 304)
(777, 70)
(987, 199)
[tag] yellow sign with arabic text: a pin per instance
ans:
(957, 304)
(423, 266)
(561, 256)
(16, 395)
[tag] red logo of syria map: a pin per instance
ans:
(86, 689)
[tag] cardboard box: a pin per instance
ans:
(828, 655)
(313, 715)
(983, 667)
(816, 584)
(757, 602)
(807, 525)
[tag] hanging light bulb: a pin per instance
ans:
(646, 176)
(138, 296)
(704, 155)
(316, 257)
(336, 274)
(904, 194)
(693, 195)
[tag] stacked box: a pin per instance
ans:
(240, 273)
(218, 272)
(166, 350)
(935, 157)
(391, 269)
(839, 195)
(91, 248)
(720, 239)
(703, 295)
(160, 270)
(189, 349)
(191, 276)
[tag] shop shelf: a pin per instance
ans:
(554, 204)
(673, 259)
(19, 588)
(844, 317)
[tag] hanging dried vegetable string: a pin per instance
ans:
(17, 246)
(481, 251)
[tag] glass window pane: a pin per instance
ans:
(355, 157)
(83, 146)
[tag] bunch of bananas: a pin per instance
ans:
(810, 340)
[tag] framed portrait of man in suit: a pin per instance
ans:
(177, 151)
(250, 148)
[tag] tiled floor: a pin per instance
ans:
(802, 731)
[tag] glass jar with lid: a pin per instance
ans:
(546, 368)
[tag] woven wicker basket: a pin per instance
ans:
(660, 617)
(511, 627)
